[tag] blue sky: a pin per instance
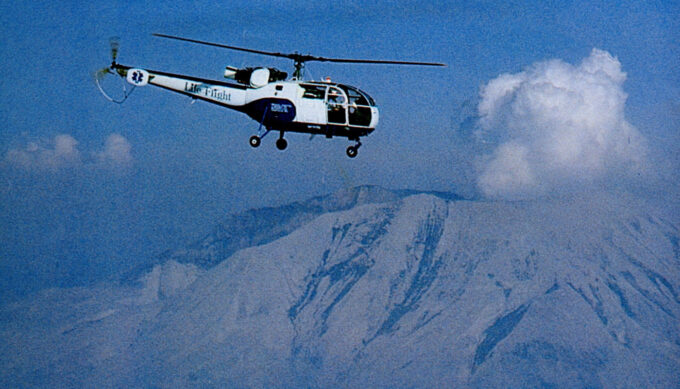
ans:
(186, 165)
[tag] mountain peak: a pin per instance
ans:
(378, 288)
(260, 226)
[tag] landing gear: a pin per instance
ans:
(353, 150)
(281, 143)
(256, 140)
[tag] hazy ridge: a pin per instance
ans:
(380, 288)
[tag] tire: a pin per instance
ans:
(281, 144)
(352, 151)
(255, 141)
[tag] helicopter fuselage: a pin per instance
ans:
(311, 107)
(264, 94)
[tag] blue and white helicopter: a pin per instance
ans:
(267, 96)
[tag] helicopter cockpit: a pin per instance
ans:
(359, 106)
(345, 104)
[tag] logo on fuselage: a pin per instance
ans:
(281, 108)
(207, 91)
(137, 77)
(273, 110)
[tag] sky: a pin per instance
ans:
(538, 99)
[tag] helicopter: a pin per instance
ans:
(278, 103)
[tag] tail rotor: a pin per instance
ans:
(99, 75)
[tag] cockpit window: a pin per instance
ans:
(335, 96)
(370, 100)
(359, 110)
(358, 97)
(313, 91)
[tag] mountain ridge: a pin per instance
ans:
(415, 291)
(262, 225)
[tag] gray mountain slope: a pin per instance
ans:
(415, 291)
(259, 226)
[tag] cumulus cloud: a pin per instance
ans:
(557, 126)
(62, 153)
(116, 152)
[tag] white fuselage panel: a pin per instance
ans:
(217, 93)
(311, 101)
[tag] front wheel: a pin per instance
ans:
(352, 151)
(255, 141)
(281, 144)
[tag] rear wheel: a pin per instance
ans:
(352, 151)
(281, 144)
(255, 141)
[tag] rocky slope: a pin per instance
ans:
(402, 290)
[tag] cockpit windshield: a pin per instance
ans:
(357, 97)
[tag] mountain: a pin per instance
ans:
(259, 226)
(376, 288)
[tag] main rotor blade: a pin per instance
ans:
(369, 61)
(222, 46)
(300, 57)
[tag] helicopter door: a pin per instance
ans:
(337, 106)
(311, 104)
(359, 108)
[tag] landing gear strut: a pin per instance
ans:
(255, 140)
(353, 150)
(281, 143)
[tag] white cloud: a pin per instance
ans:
(62, 153)
(508, 173)
(557, 126)
(116, 152)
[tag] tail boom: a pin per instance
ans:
(223, 93)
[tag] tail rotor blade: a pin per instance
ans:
(115, 44)
(101, 73)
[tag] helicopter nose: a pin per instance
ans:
(375, 117)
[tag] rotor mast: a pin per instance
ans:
(299, 65)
